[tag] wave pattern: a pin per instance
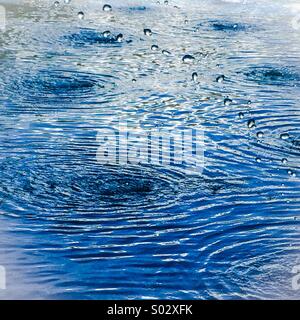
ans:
(75, 228)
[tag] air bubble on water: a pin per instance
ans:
(56, 3)
(154, 47)
(67, 1)
(251, 123)
(284, 161)
(258, 159)
(80, 15)
(166, 2)
(107, 8)
(227, 101)
(220, 78)
(249, 102)
(106, 34)
(195, 76)
(119, 37)
(291, 173)
(166, 52)
(188, 58)
(147, 32)
(284, 136)
(241, 115)
(260, 134)
(186, 21)
(133, 80)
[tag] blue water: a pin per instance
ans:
(72, 227)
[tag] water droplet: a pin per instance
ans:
(284, 136)
(291, 173)
(133, 80)
(148, 32)
(166, 52)
(166, 2)
(186, 21)
(80, 15)
(227, 101)
(249, 102)
(188, 58)
(56, 4)
(284, 161)
(106, 34)
(258, 159)
(260, 134)
(251, 123)
(154, 47)
(241, 115)
(119, 37)
(107, 8)
(195, 76)
(220, 78)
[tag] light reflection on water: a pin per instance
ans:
(84, 230)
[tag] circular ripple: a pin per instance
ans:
(273, 75)
(87, 37)
(58, 86)
(225, 26)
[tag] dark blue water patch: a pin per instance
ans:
(226, 26)
(137, 8)
(273, 75)
(67, 184)
(90, 37)
(57, 86)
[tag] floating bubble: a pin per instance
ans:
(227, 101)
(154, 47)
(241, 115)
(258, 159)
(106, 33)
(56, 3)
(291, 173)
(80, 15)
(195, 76)
(260, 134)
(148, 32)
(284, 136)
(284, 161)
(188, 58)
(220, 78)
(119, 37)
(107, 8)
(166, 52)
(251, 123)
(67, 1)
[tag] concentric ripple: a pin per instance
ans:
(273, 75)
(87, 36)
(61, 185)
(58, 86)
(225, 26)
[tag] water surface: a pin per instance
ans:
(72, 227)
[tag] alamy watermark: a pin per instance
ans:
(2, 278)
(181, 148)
